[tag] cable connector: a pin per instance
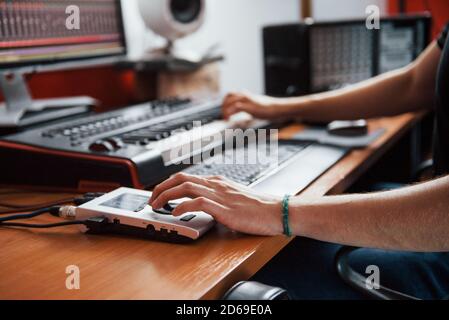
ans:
(67, 212)
(54, 211)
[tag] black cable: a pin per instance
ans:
(12, 208)
(52, 210)
(29, 209)
(14, 211)
(38, 205)
(41, 226)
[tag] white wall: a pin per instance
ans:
(236, 25)
(343, 9)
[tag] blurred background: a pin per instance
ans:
(236, 25)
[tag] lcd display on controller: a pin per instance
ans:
(128, 202)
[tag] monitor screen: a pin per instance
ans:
(345, 53)
(49, 31)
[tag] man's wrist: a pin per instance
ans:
(277, 218)
(274, 210)
(290, 107)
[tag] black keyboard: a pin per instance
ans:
(77, 131)
(113, 131)
(238, 165)
(163, 130)
(141, 145)
(127, 147)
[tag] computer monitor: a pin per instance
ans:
(53, 34)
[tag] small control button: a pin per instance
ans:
(116, 143)
(101, 146)
(166, 210)
(188, 218)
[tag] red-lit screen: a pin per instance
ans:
(58, 30)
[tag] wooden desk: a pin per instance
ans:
(33, 263)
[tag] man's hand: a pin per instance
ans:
(235, 206)
(261, 107)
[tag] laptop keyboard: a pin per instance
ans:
(247, 165)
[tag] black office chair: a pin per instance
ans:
(251, 290)
(358, 282)
(426, 169)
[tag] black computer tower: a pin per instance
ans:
(311, 57)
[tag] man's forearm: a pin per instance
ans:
(401, 91)
(414, 218)
(370, 99)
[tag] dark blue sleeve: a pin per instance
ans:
(442, 37)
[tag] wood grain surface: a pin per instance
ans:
(33, 262)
